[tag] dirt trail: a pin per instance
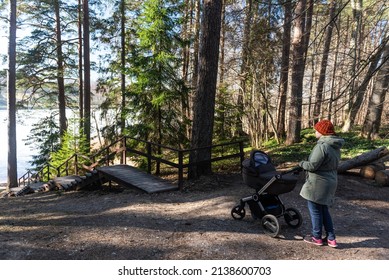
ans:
(195, 224)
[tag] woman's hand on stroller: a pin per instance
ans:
(297, 169)
(294, 170)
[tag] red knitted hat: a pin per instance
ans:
(325, 127)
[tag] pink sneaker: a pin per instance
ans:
(332, 243)
(313, 240)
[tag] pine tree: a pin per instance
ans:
(154, 96)
(47, 56)
(204, 105)
(73, 142)
(12, 152)
(44, 139)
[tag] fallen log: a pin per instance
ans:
(382, 178)
(369, 171)
(384, 160)
(363, 159)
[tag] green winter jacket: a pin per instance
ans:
(321, 167)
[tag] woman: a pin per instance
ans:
(321, 183)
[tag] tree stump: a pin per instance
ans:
(369, 171)
(382, 178)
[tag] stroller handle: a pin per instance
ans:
(296, 169)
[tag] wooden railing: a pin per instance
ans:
(122, 150)
(181, 156)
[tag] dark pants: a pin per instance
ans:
(320, 216)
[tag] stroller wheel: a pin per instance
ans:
(238, 212)
(270, 224)
(293, 217)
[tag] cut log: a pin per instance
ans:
(370, 170)
(382, 178)
(363, 159)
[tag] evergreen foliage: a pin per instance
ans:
(161, 49)
(51, 147)
(44, 139)
(73, 142)
(109, 84)
(37, 74)
(157, 88)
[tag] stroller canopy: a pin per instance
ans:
(259, 162)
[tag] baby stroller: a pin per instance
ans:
(259, 173)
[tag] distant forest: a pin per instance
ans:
(189, 73)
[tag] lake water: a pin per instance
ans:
(24, 121)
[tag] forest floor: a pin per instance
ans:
(194, 224)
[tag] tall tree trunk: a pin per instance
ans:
(80, 66)
(12, 180)
(87, 84)
(361, 90)
(295, 110)
(331, 107)
(307, 28)
(60, 72)
(196, 45)
(324, 62)
(222, 91)
(284, 69)
(204, 105)
(195, 61)
(307, 35)
(356, 41)
(123, 65)
(372, 122)
(186, 35)
(244, 68)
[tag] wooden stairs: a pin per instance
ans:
(91, 180)
(92, 171)
(123, 175)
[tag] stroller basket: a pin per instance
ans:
(270, 203)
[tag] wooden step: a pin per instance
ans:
(129, 176)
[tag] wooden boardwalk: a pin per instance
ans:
(129, 176)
